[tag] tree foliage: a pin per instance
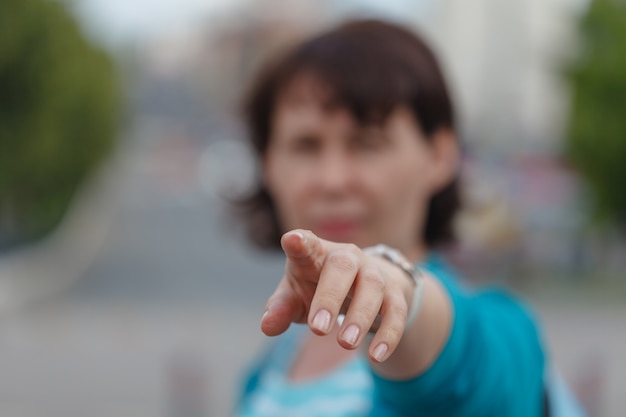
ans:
(597, 130)
(58, 115)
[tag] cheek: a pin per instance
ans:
(402, 193)
(288, 191)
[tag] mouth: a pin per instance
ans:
(337, 230)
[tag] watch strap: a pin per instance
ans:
(414, 273)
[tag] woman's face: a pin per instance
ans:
(347, 182)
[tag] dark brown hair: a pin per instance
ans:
(371, 67)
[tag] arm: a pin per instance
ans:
(424, 339)
(320, 276)
(491, 365)
(464, 355)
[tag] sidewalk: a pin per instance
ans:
(127, 359)
(139, 296)
(34, 272)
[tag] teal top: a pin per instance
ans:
(493, 364)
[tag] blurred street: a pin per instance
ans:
(146, 300)
(164, 319)
(168, 284)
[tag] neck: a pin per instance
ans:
(415, 253)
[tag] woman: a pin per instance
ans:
(356, 136)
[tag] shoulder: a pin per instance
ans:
(481, 299)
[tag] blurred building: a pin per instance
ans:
(150, 304)
(504, 61)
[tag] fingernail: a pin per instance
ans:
(380, 352)
(351, 334)
(321, 321)
(265, 314)
(301, 236)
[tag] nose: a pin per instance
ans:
(336, 172)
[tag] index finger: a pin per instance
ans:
(305, 254)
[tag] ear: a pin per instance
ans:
(446, 154)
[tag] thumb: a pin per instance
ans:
(289, 303)
(282, 308)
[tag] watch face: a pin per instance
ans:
(396, 256)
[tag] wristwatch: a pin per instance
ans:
(415, 274)
(395, 257)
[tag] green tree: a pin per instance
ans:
(59, 104)
(597, 130)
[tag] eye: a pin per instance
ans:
(305, 144)
(370, 139)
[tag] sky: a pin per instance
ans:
(117, 22)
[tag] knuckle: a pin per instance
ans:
(343, 260)
(398, 311)
(373, 279)
(329, 296)
(361, 314)
(392, 333)
(352, 248)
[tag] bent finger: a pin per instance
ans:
(364, 307)
(387, 337)
(335, 281)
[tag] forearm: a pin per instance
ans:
(489, 363)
